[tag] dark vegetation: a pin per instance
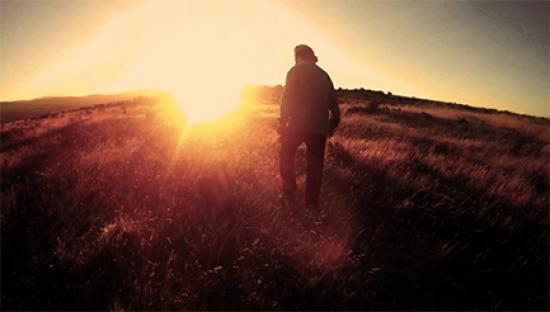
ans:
(122, 206)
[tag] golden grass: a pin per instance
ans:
(128, 208)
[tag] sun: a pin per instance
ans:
(205, 104)
(207, 95)
(209, 89)
(203, 52)
(206, 62)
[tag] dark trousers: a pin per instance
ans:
(315, 150)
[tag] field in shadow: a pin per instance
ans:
(125, 207)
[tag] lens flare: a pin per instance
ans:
(204, 99)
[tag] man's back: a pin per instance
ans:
(307, 98)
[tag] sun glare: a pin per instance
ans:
(209, 76)
(207, 93)
(204, 53)
(206, 60)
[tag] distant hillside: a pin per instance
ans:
(271, 94)
(15, 110)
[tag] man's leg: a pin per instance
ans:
(289, 145)
(315, 157)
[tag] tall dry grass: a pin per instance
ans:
(127, 208)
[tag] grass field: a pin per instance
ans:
(124, 207)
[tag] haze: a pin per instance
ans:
(490, 54)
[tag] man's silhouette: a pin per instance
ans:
(308, 98)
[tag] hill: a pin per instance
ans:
(125, 207)
(16, 110)
(271, 94)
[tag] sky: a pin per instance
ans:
(482, 53)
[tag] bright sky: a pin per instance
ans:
(490, 54)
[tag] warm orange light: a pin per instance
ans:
(204, 60)
(203, 52)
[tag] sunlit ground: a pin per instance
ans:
(223, 140)
(135, 209)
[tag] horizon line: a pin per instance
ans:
(385, 92)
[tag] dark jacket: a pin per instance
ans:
(307, 99)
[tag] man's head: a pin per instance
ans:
(304, 54)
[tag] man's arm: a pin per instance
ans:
(334, 109)
(285, 100)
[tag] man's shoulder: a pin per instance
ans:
(293, 70)
(321, 70)
(307, 68)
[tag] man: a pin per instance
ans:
(308, 98)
